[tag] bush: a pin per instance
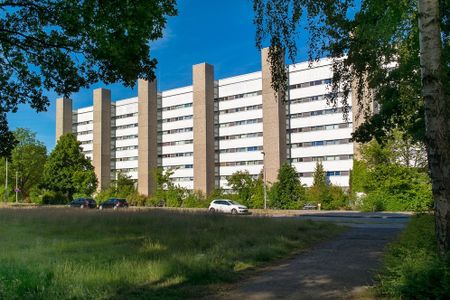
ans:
(51, 197)
(412, 267)
(136, 199)
(35, 195)
(195, 199)
(338, 198)
(397, 188)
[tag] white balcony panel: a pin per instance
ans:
(241, 129)
(178, 136)
(245, 142)
(175, 161)
(240, 102)
(177, 149)
(178, 124)
(329, 150)
(241, 156)
(239, 116)
(125, 143)
(177, 112)
(335, 118)
(321, 135)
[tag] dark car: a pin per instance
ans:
(114, 203)
(83, 203)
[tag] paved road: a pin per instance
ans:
(337, 269)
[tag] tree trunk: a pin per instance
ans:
(437, 117)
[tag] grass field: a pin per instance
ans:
(49, 253)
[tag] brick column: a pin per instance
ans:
(203, 107)
(101, 158)
(274, 123)
(63, 117)
(147, 136)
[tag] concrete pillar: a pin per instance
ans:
(147, 136)
(63, 116)
(203, 107)
(274, 123)
(101, 158)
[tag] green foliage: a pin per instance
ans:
(122, 187)
(287, 192)
(388, 182)
(243, 184)
(67, 170)
(27, 161)
(319, 192)
(52, 197)
(246, 189)
(257, 198)
(324, 193)
(412, 267)
(396, 188)
(358, 176)
(67, 45)
(339, 199)
(195, 199)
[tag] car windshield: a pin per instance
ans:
(234, 202)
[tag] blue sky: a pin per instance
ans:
(218, 32)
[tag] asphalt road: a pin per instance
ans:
(341, 268)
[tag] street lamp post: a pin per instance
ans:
(17, 187)
(264, 175)
(6, 180)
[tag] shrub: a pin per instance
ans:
(35, 195)
(136, 199)
(195, 199)
(51, 197)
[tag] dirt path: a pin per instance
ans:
(337, 269)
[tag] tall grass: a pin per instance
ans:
(69, 253)
(412, 267)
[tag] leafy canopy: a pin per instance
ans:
(28, 159)
(64, 45)
(374, 49)
(67, 170)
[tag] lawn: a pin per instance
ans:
(49, 253)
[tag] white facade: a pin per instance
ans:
(315, 131)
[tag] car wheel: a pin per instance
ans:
(115, 207)
(100, 207)
(234, 211)
(81, 206)
(212, 210)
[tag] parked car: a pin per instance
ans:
(309, 206)
(83, 203)
(114, 203)
(227, 206)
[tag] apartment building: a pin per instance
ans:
(209, 130)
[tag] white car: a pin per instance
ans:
(227, 206)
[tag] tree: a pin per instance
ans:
(66, 45)
(28, 159)
(242, 183)
(67, 170)
(287, 192)
(319, 192)
(376, 51)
